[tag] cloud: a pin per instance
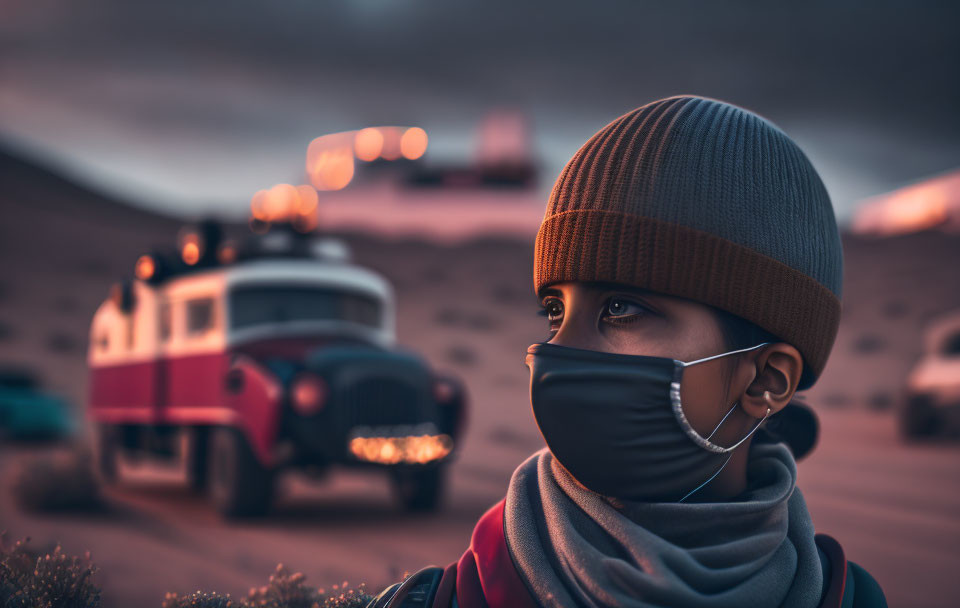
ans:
(176, 97)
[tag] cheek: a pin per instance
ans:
(702, 394)
(653, 336)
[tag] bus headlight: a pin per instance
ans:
(308, 394)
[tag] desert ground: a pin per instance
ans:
(469, 308)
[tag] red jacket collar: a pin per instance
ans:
(486, 575)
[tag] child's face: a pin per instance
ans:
(620, 319)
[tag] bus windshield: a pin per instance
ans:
(265, 304)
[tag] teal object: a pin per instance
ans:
(27, 413)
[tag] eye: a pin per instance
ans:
(623, 310)
(553, 311)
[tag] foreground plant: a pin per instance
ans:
(283, 590)
(51, 580)
(32, 579)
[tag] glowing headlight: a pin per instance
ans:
(408, 449)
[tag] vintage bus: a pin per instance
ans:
(245, 362)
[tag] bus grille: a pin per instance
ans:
(380, 401)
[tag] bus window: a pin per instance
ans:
(259, 305)
(199, 316)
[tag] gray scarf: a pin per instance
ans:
(574, 548)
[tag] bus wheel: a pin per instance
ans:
(419, 490)
(106, 447)
(238, 484)
(196, 457)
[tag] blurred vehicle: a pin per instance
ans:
(277, 354)
(932, 402)
(29, 413)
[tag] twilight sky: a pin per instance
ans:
(193, 106)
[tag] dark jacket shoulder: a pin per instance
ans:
(866, 591)
(846, 583)
(425, 588)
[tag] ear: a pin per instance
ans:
(778, 369)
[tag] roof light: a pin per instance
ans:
(227, 253)
(191, 246)
(145, 268)
(307, 200)
(190, 252)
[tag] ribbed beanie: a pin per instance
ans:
(697, 198)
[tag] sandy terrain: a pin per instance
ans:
(470, 310)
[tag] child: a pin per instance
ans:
(689, 267)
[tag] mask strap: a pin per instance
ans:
(732, 352)
(731, 448)
(705, 443)
(708, 480)
(722, 420)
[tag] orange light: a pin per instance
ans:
(284, 202)
(391, 143)
(419, 449)
(307, 199)
(280, 202)
(227, 253)
(332, 169)
(330, 160)
(258, 206)
(413, 143)
(190, 253)
(916, 209)
(308, 394)
(368, 144)
(145, 267)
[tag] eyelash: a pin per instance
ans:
(623, 320)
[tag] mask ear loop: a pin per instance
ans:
(722, 420)
(766, 396)
(675, 402)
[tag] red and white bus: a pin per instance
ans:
(280, 354)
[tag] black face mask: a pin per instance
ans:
(615, 422)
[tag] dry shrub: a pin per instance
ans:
(62, 482)
(283, 590)
(51, 580)
(198, 599)
(32, 579)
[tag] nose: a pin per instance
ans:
(577, 331)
